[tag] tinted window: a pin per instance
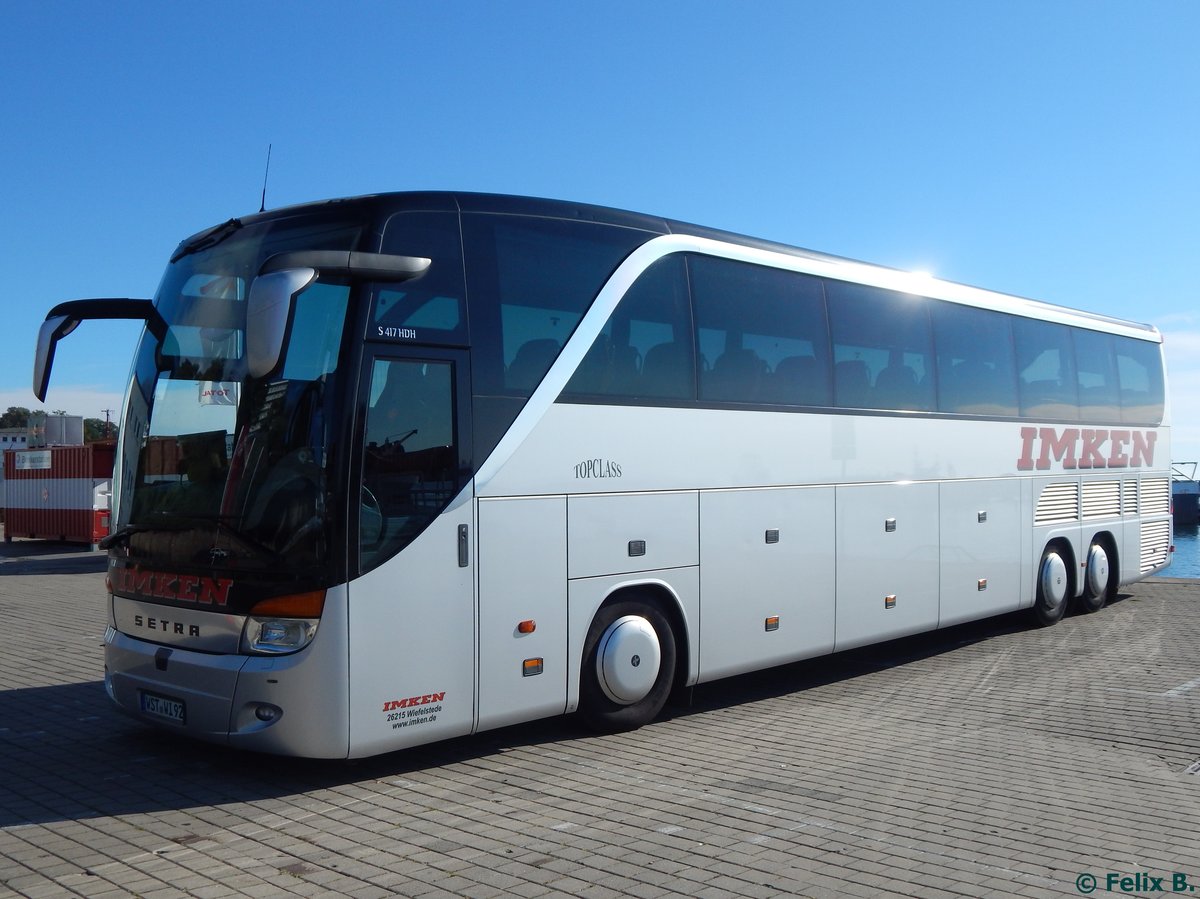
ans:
(1139, 374)
(766, 336)
(761, 334)
(976, 371)
(1096, 375)
(1046, 370)
(531, 281)
(429, 308)
(881, 348)
(316, 335)
(645, 348)
(410, 460)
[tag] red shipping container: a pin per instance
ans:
(58, 493)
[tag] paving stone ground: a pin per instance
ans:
(985, 760)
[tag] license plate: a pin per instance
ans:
(163, 707)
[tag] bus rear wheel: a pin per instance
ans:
(1096, 579)
(628, 666)
(1053, 588)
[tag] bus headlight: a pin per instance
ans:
(283, 623)
(268, 636)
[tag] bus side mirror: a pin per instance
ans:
(65, 318)
(52, 331)
(268, 309)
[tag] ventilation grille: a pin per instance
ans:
(1156, 538)
(1129, 498)
(1058, 503)
(1156, 496)
(1101, 499)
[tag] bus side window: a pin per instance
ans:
(750, 321)
(430, 308)
(887, 333)
(976, 371)
(1046, 365)
(532, 360)
(530, 281)
(409, 458)
(1139, 373)
(644, 350)
(1096, 373)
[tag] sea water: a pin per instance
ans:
(1185, 562)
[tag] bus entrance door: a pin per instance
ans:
(412, 612)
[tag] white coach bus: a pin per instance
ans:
(405, 467)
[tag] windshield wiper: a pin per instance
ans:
(175, 521)
(223, 523)
(122, 535)
(206, 239)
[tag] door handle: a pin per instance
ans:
(464, 557)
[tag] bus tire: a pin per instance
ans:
(1097, 578)
(1053, 588)
(628, 666)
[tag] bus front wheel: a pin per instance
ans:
(628, 666)
(1053, 588)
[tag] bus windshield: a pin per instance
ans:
(221, 469)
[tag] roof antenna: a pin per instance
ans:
(263, 206)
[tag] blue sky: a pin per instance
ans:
(1046, 149)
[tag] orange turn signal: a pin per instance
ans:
(297, 605)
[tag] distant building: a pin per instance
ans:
(14, 438)
(10, 438)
